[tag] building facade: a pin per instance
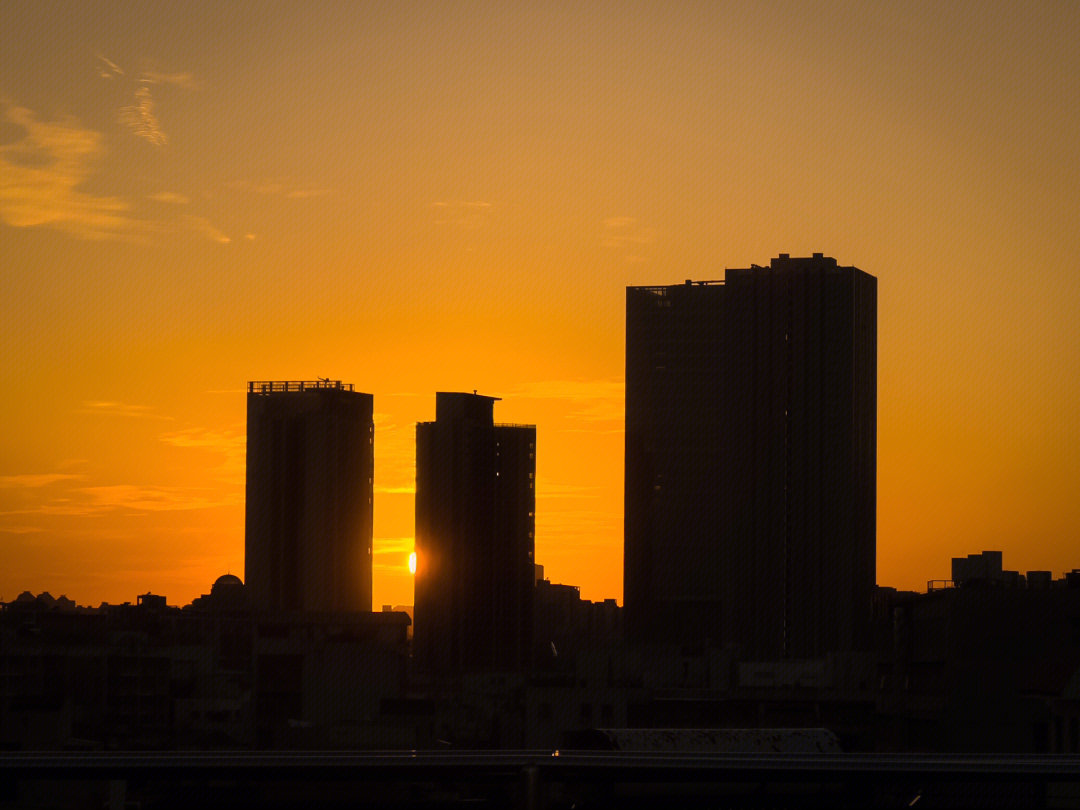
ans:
(750, 487)
(475, 519)
(310, 468)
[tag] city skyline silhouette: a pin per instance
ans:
(754, 643)
(187, 209)
(807, 537)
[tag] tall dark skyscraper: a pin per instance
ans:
(475, 507)
(310, 465)
(751, 432)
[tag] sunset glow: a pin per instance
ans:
(422, 197)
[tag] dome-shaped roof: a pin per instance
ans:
(228, 581)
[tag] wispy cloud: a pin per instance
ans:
(40, 176)
(392, 545)
(108, 69)
(99, 500)
(204, 227)
(105, 408)
(305, 193)
(21, 530)
(625, 233)
(169, 197)
(227, 441)
(139, 116)
(184, 80)
(140, 119)
(35, 480)
(154, 498)
(462, 213)
(621, 231)
(41, 172)
(280, 188)
(588, 400)
(71, 494)
(232, 444)
(391, 555)
(395, 446)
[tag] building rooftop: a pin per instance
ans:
(782, 262)
(283, 386)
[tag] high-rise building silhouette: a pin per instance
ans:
(750, 488)
(310, 465)
(475, 506)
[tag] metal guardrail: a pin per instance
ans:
(665, 289)
(285, 386)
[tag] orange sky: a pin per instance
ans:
(453, 196)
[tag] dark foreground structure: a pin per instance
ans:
(310, 468)
(475, 518)
(751, 408)
(540, 779)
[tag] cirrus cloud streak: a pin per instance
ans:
(41, 175)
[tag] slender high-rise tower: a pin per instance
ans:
(475, 506)
(750, 488)
(310, 465)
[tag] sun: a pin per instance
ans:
(412, 563)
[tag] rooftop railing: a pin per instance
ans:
(284, 386)
(666, 289)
